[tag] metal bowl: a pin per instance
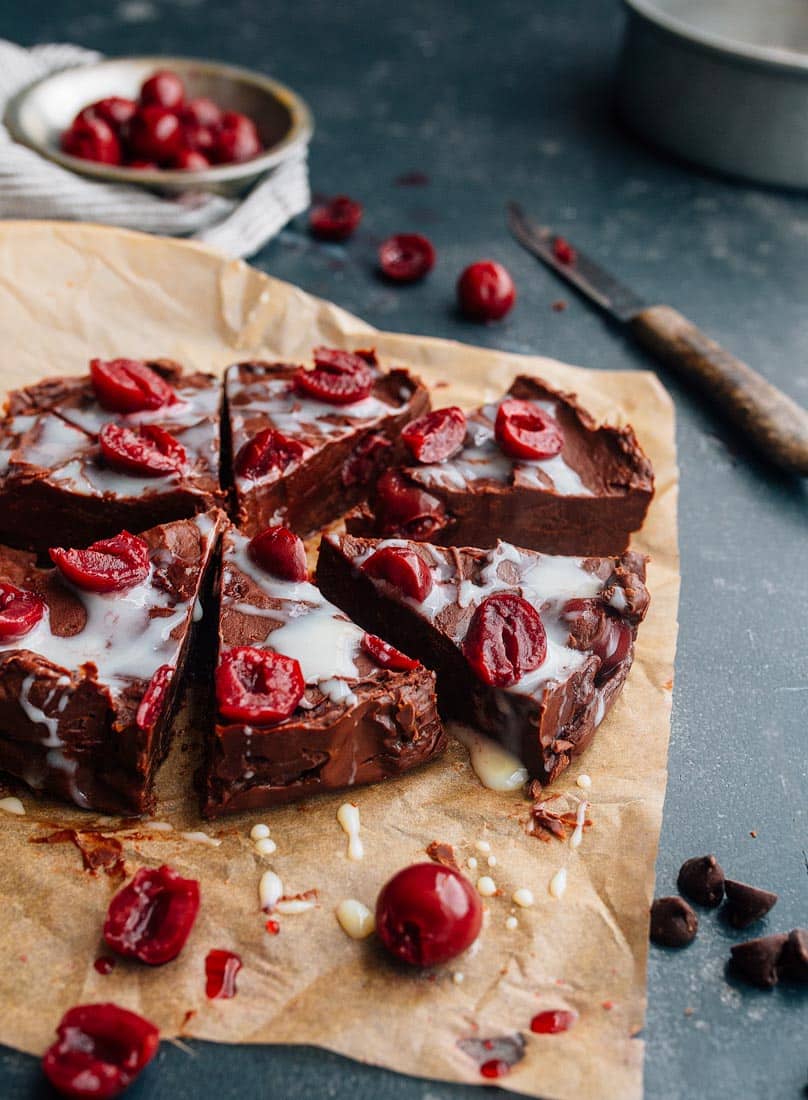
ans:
(39, 114)
(723, 83)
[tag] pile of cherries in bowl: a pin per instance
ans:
(161, 129)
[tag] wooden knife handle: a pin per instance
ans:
(775, 424)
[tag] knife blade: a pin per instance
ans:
(775, 424)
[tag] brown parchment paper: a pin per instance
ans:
(71, 291)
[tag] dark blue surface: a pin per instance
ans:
(512, 99)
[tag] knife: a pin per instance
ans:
(776, 425)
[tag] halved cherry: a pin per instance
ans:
(20, 611)
(258, 685)
(406, 257)
(386, 655)
(436, 436)
(366, 459)
(524, 430)
(163, 89)
(280, 552)
(427, 914)
(151, 704)
(403, 568)
(404, 509)
(107, 566)
(268, 450)
(597, 628)
(100, 1051)
(147, 450)
(128, 385)
(339, 377)
(152, 916)
(505, 640)
(335, 219)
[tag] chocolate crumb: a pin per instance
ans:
(673, 922)
(442, 854)
(689, 1011)
(753, 834)
(756, 961)
(745, 903)
(98, 852)
(559, 305)
(794, 958)
(702, 880)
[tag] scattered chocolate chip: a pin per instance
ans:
(673, 922)
(443, 854)
(794, 959)
(756, 961)
(702, 880)
(745, 903)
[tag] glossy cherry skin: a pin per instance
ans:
(553, 1021)
(485, 291)
(151, 918)
(237, 139)
(335, 219)
(155, 133)
(92, 139)
(190, 160)
(258, 685)
(128, 385)
(524, 430)
(100, 1050)
(151, 704)
(281, 553)
(386, 655)
(505, 640)
(148, 450)
(164, 89)
(201, 111)
(598, 628)
(267, 451)
(20, 611)
(403, 569)
(406, 257)
(110, 565)
(339, 377)
(437, 436)
(427, 914)
(114, 110)
(405, 509)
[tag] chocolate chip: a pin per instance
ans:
(756, 961)
(745, 903)
(673, 922)
(702, 880)
(794, 959)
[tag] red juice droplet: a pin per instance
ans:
(221, 968)
(496, 1067)
(553, 1022)
(273, 927)
(104, 963)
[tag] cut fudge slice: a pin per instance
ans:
(130, 445)
(307, 444)
(307, 702)
(91, 660)
(530, 648)
(533, 468)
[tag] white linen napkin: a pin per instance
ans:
(34, 187)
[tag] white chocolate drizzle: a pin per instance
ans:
(494, 766)
(199, 837)
(584, 781)
(523, 897)
(292, 907)
(355, 919)
(259, 832)
(12, 805)
(486, 886)
(511, 923)
(265, 846)
(348, 817)
(580, 819)
(558, 884)
(270, 891)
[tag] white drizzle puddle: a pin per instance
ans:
(558, 884)
(270, 891)
(486, 886)
(580, 818)
(494, 766)
(511, 923)
(259, 832)
(355, 919)
(159, 826)
(198, 837)
(523, 897)
(265, 846)
(348, 817)
(291, 907)
(584, 781)
(12, 805)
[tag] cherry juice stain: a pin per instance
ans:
(221, 968)
(273, 927)
(104, 964)
(553, 1022)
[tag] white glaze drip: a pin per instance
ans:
(494, 766)
(270, 891)
(355, 919)
(12, 805)
(580, 818)
(348, 817)
(558, 884)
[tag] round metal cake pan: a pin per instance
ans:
(722, 83)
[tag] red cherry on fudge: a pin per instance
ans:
(163, 89)
(335, 219)
(387, 656)
(596, 628)
(152, 916)
(338, 378)
(100, 1051)
(428, 914)
(107, 566)
(404, 509)
(114, 110)
(436, 436)
(485, 291)
(92, 139)
(147, 450)
(403, 568)
(155, 133)
(201, 112)
(406, 257)
(128, 385)
(524, 430)
(280, 552)
(505, 640)
(189, 160)
(20, 611)
(237, 139)
(148, 712)
(258, 685)
(268, 450)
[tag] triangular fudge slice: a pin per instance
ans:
(92, 654)
(532, 649)
(533, 468)
(307, 443)
(307, 701)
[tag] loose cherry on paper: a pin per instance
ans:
(99, 1052)
(386, 655)
(595, 627)
(506, 639)
(406, 257)
(151, 918)
(335, 219)
(524, 430)
(427, 914)
(151, 704)
(128, 385)
(280, 552)
(147, 450)
(221, 968)
(403, 569)
(20, 611)
(405, 509)
(437, 436)
(338, 378)
(485, 291)
(106, 566)
(258, 685)
(267, 451)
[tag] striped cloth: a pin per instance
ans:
(33, 187)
